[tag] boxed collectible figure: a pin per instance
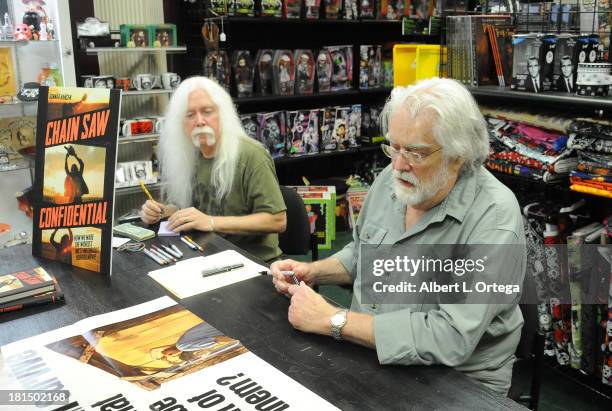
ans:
(250, 124)
(312, 8)
(244, 72)
(388, 73)
(332, 9)
(264, 63)
(283, 72)
(342, 66)
(394, 9)
(565, 65)
(354, 125)
(271, 8)
(222, 7)
(162, 35)
(327, 119)
(245, 8)
(324, 71)
(364, 66)
(272, 132)
(370, 66)
(217, 67)
(292, 9)
(134, 35)
(350, 10)
(340, 133)
(368, 9)
(532, 68)
(302, 135)
(305, 72)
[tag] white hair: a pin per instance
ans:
(177, 154)
(459, 127)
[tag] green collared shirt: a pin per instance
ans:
(477, 339)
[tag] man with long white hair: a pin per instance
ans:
(435, 192)
(214, 177)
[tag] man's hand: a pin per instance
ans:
(190, 219)
(309, 312)
(151, 212)
(303, 271)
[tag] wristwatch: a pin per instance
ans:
(338, 321)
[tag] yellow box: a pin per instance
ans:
(413, 62)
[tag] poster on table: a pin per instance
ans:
(76, 152)
(153, 356)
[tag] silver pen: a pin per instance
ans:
(176, 249)
(219, 270)
(152, 257)
(170, 251)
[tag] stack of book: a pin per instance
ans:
(28, 288)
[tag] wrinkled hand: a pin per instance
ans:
(303, 271)
(188, 219)
(309, 312)
(151, 212)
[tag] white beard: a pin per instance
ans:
(421, 192)
(211, 139)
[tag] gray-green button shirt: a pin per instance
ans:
(477, 339)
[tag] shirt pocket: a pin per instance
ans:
(372, 235)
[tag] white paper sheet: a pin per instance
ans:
(119, 241)
(164, 231)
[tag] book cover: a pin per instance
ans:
(47, 297)
(319, 209)
(24, 284)
(484, 66)
(504, 34)
(76, 153)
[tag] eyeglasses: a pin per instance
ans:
(411, 157)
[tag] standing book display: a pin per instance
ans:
(75, 156)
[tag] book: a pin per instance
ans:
(24, 284)
(48, 297)
(73, 194)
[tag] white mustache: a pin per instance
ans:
(406, 176)
(206, 130)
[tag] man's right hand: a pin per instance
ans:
(303, 271)
(151, 212)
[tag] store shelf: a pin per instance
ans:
(566, 100)
(147, 92)
(15, 165)
(138, 139)
(137, 50)
(316, 156)
(25, 42)
(283, 21)
(136, 189)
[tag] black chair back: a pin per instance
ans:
(296, 238)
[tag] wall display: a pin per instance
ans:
(368, 9)
(533, 58)
(305, 72)
(312, 8)
(73, 200)
(217, 67)
(342, 67)
(265, 61)
(250, 125)
(272, 8)
(292, 9)
(174, 361)
(134, 35)
(244, 73)
(283, 73)
(324, 71)
(272, 132)
(245, 8)
(302, 132)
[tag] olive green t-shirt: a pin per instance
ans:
(255, 190)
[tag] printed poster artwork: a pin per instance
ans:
(152, 349)
(62, 105)
(78, 246)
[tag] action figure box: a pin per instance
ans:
(302, 132)
(223, 7)
(263, 71)
(162, 35)
(217, 67)
(533, 58)
(350, 10)
(244, 73)
(292, 9)
(332, 9)
(354, 125)
(312, 8)
(327, 120)
(394, 10)
(324, 71)
(370, 125)
(370, 66)
(134, 35)
(304, 72)
(272, 8)
(331, 190)
(250, 125)
(368, 9)
(245, 8)
(272, 132)
(342, 67)
(283, 72)
(565, 63)
(341, 124)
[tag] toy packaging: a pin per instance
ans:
(354, 125)
(134, 35)
(217, 67)
(342, 67)
(292, 9)
(305, 72)
(533, 58)
(250, 124)
(244, 72)
(350, 10)
(245, 8)
(341, 124)
(368, 9)
(271, 8)
(312, 8)
(272, 132)
(333, 9)
(162, 35)
(283, 73)
(394, 9)
(370, 66)
(222, 7)
(265, 60)
(324, 71)
(327, 119)
(302, 135)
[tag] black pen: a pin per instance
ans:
(219, 270)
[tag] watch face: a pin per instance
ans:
(337, 319)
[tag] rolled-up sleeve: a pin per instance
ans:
(348, 258)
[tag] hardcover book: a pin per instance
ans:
(74, 191)
(24, 284)
(47, 297)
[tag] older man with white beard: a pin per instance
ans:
(215, 177)
(435, 191)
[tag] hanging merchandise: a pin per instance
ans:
(305, 72)
(283, 73)
(244, 72)
(210, 35)
(217, 67)
(324, 70)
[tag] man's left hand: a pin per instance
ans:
(308, 311)
(188, 219)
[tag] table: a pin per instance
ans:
(346, 375)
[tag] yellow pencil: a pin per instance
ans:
(144, 188)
